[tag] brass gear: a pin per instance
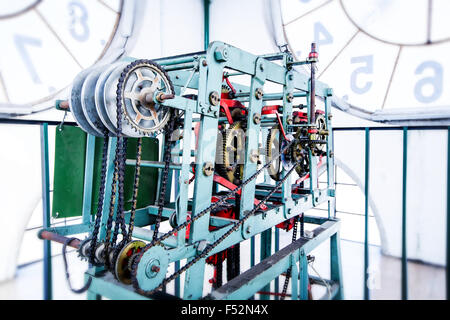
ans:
(121, 266)
(272, 151)
(232, 153)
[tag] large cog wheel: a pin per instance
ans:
(140, 81)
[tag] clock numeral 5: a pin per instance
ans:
(367, 68)
(21, 42)
(79, 28)
(434, 81)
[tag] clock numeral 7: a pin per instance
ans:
(21, 42)
(434, 82)
(367, 68)
(80, 33)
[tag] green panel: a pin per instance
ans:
(70, 149)
(70, 152)
(148, 178)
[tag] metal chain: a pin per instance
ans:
(137, 174)
(210, 247)
(221, 201)
(101, 195)
(289, 270)
(165, 173)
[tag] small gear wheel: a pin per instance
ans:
(122, 266)
(321, 125)
(300, 155)
(149, 268)
(138, 84)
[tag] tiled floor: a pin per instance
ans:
(425, 282)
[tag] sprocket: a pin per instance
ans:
(140, 81)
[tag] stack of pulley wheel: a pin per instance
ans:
(93, 99)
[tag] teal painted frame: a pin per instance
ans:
(209, 67)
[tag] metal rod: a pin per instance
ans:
(244, 97)
(48, 290)
(266, 251)
(153, 164)
(277, 248)
(404, 253)
(312, 101)
(206, 5)
(88, 178)
(448, 217)
(181, 66)
(35, 122)
(391, 128)
(51, 236)
(252, 257)
(366, 216)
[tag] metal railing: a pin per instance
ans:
(404, 258)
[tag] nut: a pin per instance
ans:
(256, 118)
(289, 120)
(290, 97)
(208, 169)
(221, 54)
(214, 98)
(259, 93)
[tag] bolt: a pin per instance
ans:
(330, 116)
(208, 169)
(160, 97)
(204, 63)
(290, 120)
(156, 269)
(261, 67)
(248, 229)
(259, 93)
(214, 98)
(290, 97)
(331, 154)
(256, 118)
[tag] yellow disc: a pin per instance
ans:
(122, 269)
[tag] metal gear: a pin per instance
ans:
(141, 80)
(272, 152)
(232, 153)
(321, 125)
(121, 266)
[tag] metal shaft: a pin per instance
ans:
(47, 235)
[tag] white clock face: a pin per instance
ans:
(46, 43)
(376, 54)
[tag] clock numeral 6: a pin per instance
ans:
(78, 28)
(434, 81)
(367, 68)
